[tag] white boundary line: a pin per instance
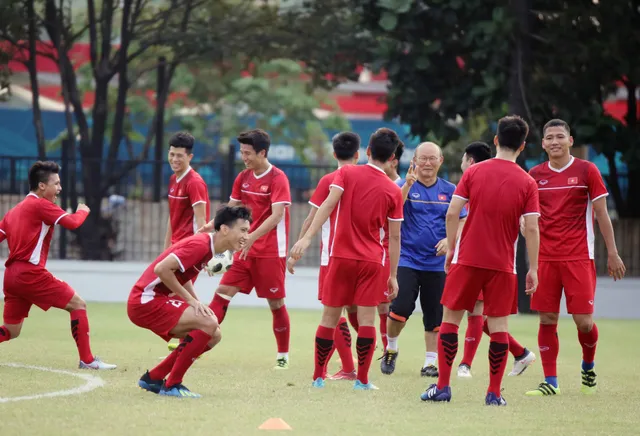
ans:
(92, 382)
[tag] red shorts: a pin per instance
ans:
(481, 296)
(321, 279)
(576, 277)
(265, 274)
(465, 283)
(26, 285)
(160, 315)
(353, 282)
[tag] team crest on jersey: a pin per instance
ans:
(245, 186)
(442, 197)
(264, 188)
(415, 195)
(172, 189)
(543, 182)
(573, 180)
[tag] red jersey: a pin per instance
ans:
(259, 193)
(499, 192)
(369, 200)
(192, 254)
(566, 197)
(319, 196)
(28, 228)
(184, 193)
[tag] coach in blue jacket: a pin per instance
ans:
(423, 246)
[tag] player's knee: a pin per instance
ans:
(383, 308)
(275, 303)
(14, 329)
(228, 291)
(584, 324)
(76, 303)
(549, 318)
(399, 315)
(216, 337)
(431, 325)
(209, 325)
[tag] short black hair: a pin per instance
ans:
(228, 215)
(256, 138)
(40, 173)
(556, 122)
(512, 132)
(399, 151)
(182, 140)
(383, 144)
(346, 145)
(478, 150)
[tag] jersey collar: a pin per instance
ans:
(182, 176)
(375, 167)
(563, 168)
(213, 251)
(31, 194)
(263, 174)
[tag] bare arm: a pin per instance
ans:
(307, 221)
(190, 289)
(405, 191)
(394, 246)
(167, 236)
(453, 222)
(165, 270)
(532, 235)
(200, 214)
(277, 212)
(323, 214)
(232, 203)
(615, 265)
(460, 227)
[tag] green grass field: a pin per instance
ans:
(241, 389)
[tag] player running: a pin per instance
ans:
(571, 190)
(28, 228)
(365, 199)
(264, 189)
(164, 301)
(499, 192)
(346, 146)
(476, 323)
(188, 194)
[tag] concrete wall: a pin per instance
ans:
(112, 281)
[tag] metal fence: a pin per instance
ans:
(135, 212)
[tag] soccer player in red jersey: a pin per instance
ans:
(571, 190)
(28, 229)
(365, 199)
(164, 301)
(499, 192)
(188, 194)
(262, 263)
(476, 323)
(346, 146)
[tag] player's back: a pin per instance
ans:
(566, 213)
(29, 227)
(369, 200)
(499, 193)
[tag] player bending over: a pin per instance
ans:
(571, 190)
(499, 192)
(476, 323)
(164, 301)
(365, 199)
(28, 229)
(262, 263)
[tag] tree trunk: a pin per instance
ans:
(633, 165)
(33, 79)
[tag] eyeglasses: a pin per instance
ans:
(424, 160)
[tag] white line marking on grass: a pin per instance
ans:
(92, 382)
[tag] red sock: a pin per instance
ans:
(514, 347)
(164, 367)
(447, 350)
(219, 305)
(80, 332)
(589, 342)
(353, 320)
(281, 328)
(324, 344)
(549, 348)
(365, 347)
(192, 346)
(472, 339)
(342, 342)
(498, 348)
(383, 329)
(485, 328)
(5, 334)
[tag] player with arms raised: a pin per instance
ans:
(571, 190)
(188, 194)
(264, 189)
(365, 199)
(28, 229)
(499, 192)
(164, 301)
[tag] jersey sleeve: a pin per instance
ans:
(396, 209)
(197, 192)
(462, 190)
(236, 195)
(190, 253)
(321, 193)
(50, 213)
(595, 184)
(532, 204)
(280, 193)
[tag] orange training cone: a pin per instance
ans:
(274, 424)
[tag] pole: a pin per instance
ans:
(157, 176)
